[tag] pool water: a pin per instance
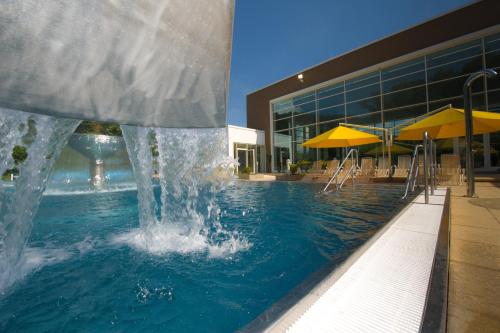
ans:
(85, 281)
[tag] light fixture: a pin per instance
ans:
(300, 77)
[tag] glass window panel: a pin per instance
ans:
(451, 88)
(478, 102)
(330, 101)
(454, 53)
(493, 83)
(323, 127)
(282, 105)
(492, 43)
(305, 133)
(391, 118)
(284, 124)
(455, 102)
(404, 68)
(494, 101)
(282, 114)
(308, 97)
(303, 153)
(404, 82)
(308, 107)
(332, 113)
(493, 59)
(374, 120)
(364, 106)
(362, 81)
(282, 140)
(365, 92)
(331, 90)
(404, 98)
(305, 119)
(455, 69)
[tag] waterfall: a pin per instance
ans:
(193, 168)
(139, 152)
(44, 137)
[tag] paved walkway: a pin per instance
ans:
(474, 280)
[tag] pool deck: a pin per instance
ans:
(474, 270)
(383, 286)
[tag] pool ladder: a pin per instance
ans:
(430, 167)
(343, 177)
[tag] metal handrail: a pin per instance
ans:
(412, 178)
(430, 160)
(350, 154)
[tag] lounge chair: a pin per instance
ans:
(449, 171)
(401, 170)
(367, 167)
(322, 175)
(317, 167)
(381, 171)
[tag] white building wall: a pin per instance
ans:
(244, 135)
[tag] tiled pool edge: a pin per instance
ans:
(289, 309)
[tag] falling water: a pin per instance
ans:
(193, 168)
(45, 137)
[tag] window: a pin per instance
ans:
(305, 133)
(308, 107)
(283, 124)
(457, 68)
(331, 90)
(364, 106)
(307, 97)
(405, 68)
(305, 119)
(451, 88)
(453, 54)
(362, 81)
(331, 101)
(404, 98)
(403, 82)
(364, 92)
(332, 113)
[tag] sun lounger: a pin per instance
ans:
(367, 167)
(450, 171)
(401, 170)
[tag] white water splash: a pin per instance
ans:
(45, 137)
(193, 168)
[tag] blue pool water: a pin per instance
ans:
(85, 281)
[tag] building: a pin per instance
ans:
(248, 147)
(386, 83)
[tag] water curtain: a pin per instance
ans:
(44, 137)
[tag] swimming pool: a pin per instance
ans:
(84, 279)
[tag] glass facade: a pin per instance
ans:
(388, 97)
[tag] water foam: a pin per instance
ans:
(193, 168)
(160, 240)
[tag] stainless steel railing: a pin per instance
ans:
(351, 172)
(430, 173)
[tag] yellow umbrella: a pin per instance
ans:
(395, 149)
(341, 137)
(450, 123)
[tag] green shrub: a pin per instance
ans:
(246, 170)
(324, 165)
(304, 164)
(294, 168)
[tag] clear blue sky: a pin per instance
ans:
(273, 39)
